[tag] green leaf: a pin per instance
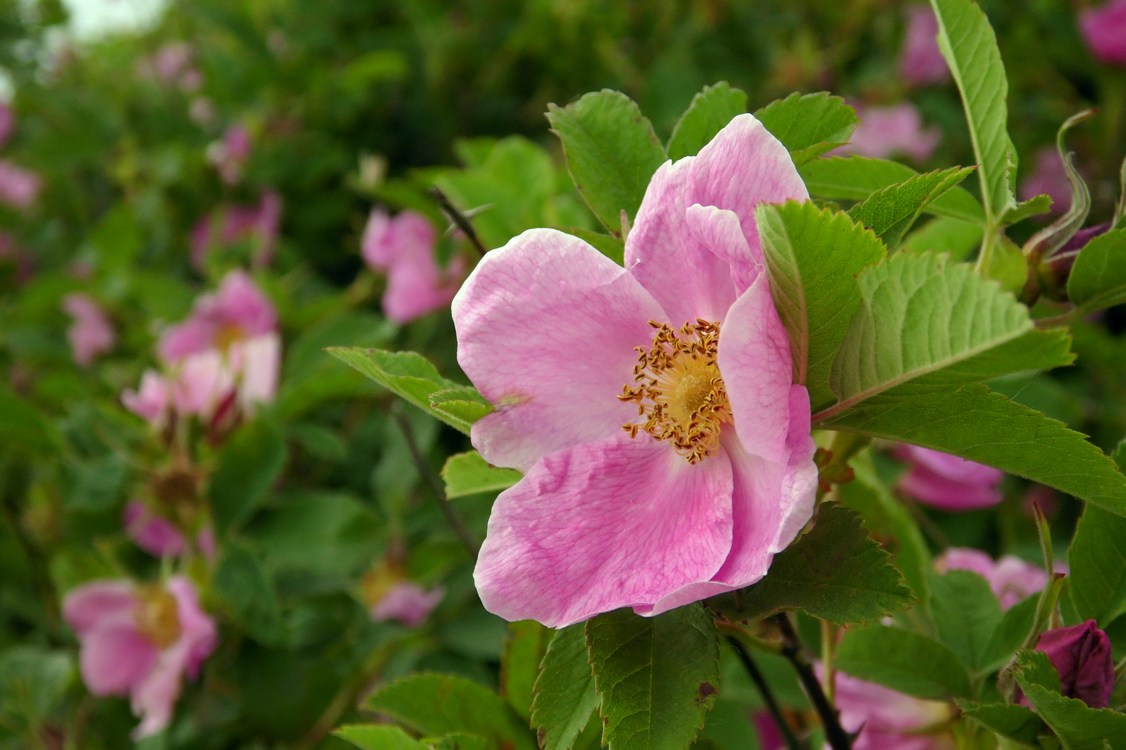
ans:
(657, 676)
(410, 376)
(372, 737)
(970, 48)
(247, 596)
(25, 430)
(1034, 206)
(1076, 725)
(520, 663)
(813, 257)
(708, 113)
(460, 406)
(33, 682)
(96, 484)
(434, 704)
(1098, 278)
(467, 474)
(966, 615)
(924, 317)
(564, 697)
(1016, 624)
(1006, 265)
(955, 237)
(903, 661)
(1097, 565)
(974, 423)
(891, 211)
(835, 572)
(809, 124)
(1016, 723)
(459, 741)
(246, 467)
(330, 534)
(607, 244)
(855, 178)
(611, 151)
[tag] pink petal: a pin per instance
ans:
(257, 361)
(192, 336)
(622, 523)
(388, 239)
(156, 695)
(156, 535)
(202, 382)
(408, 603)
(91, 333)
(546, 330)
(920, 61)
(719, 230)
(91, 604)
(115, 657)
(18, 186)
(197, 629)
(1104, 31)
(887, 131)
(151, 400)
(416, 286)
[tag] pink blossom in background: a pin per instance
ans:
(173, 64)
(152, 400)
(1104, 30)
(7, 122)
(404, 247)
(609, 515)
(1010, 578)
(1082, 655)
(91, 333)
(160, 537)
(947, 482)
(407, 603)
(229, 154)
(769, 736)
(887, 720)
(891, 131)
(140, 641)
(920, 61)
(1048, 176)
(18, 187)
(237, 311)
(236, 223)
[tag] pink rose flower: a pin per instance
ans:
(887, 720)
(1082, 655)
(1010, 578)
(140, 641)
(160, 537)
(18, 187)
(173, 64)
(407, 603)
(947, 482)
(232, 224)
(1048, 176)
(230, 154)
(1104, 30)
(888, 131)
(920, 61)
(657, 480)
(403, 247)
(237, 311)
(91, 333)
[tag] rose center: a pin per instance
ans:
(157, 616)
(678, 389)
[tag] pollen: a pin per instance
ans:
(679, 393)
(157, 616)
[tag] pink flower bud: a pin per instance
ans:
(1081, 654)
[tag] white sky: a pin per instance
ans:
(92, 17)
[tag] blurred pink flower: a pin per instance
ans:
(887, 720)
(230, 224)
(7, 122)
(1104, 30)
(237, 311)
(173, 64)
(407, 603)
(696, 495)
(889, 131)
(229, 154)
(404, 248)
(140, 641)
(947, 482)
(1010, 578)
(91, 333)
(152, 400)
(18, 187)
(1048, 176)
(920, 61)
(158, 536)
(1082, 655)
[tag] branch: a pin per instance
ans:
(835, 734)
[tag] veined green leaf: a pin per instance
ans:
(467, 474)
(1098, 278)
(1097, 565)
(1076, 725)
(709, 112)
(957, 238)
(890, 211)
(809, 124)
(1012, 722)
(564, 696)
(373, 737)
(520, 663)
(903, 661)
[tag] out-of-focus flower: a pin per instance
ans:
(890, 131)
(389, 595)
(1082, 655)
(1010, 578)
(404, 247)
(1104, 30)
(160, 537)
(7, 122)
(140, 641)
(151, 400)
(230, 224)
(91, 333)
(656, 480)
(1048, 176)
(887, 720)
(18, 187)
(769, 736)
(173, 64)
(237, 311)
(229, 154)
(201, 110)
(920, 61)
(948, 482)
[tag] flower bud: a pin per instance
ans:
(1081, 654)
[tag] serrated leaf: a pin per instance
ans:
(1016, 723)
(969, 45)
(835, 572)
(855, 178)
(903, 661)
(959, 239)
(813, 257)
(1098, 278)
(890, 211)
(247, 466)
(809, 124)
(461, 406)
(520, 663)
(434, 704)
(657, 676)
(1034, 206)
(1097, 565)
(1076, 725)
(467, 474)
(611, 152)
(965, 614)
(409, 376)
(709, 112)
(564, 697)
(975, 423)
(373, 737)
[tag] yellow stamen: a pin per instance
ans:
(678, 389)
(157, 616)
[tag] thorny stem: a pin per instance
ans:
(767, 695)
(460, 220)
(464, 535)
(835, 734)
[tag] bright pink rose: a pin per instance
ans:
(160, 537)
(947, 482)
(91, 333)
(1010, 578)
(403, 247)
(407, 603)
(18, 187)
(1048, 176)
(1104, 30)
(230, 154)
(140, 641)
(920, 61)
(234, 223)
(887, 720)
(656, 480)
(888, 131)
(7, 122)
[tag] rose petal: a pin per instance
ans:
(546, 330)
(85, 607)
(197, 629)
(154, 698)
(115, 657)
